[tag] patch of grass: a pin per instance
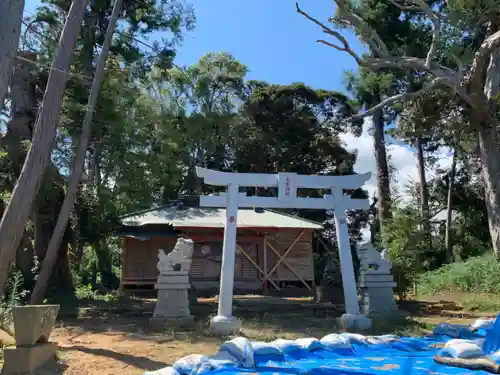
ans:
(480, 275)
(481, 303)
(268, 327)
(86, 293)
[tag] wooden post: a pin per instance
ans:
(281, 259)
(257, 267)
(266, 287)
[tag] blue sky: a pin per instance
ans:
(277, 44)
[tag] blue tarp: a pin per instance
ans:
(410, 356)
(405, 356)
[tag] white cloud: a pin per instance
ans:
(402, 158)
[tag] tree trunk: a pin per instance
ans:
(28, 184)
(11, 14)
(424, 192)
(105, 265)
(449, 209)
(383, 178)
(23, 107)
(490, 153)
(78, 165)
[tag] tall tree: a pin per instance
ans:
(368, 89)
(11, 14)
(295, 128)
(474, 83)
(78, 165)
(124, 102)
(206, 96)
(19, 207)
(419, 126)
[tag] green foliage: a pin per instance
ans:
(479, 275)
(88, 293)
(294, 126)
(403, 238)
(481, 302)
(15, 295)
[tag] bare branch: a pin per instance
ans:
(422, 6)
(330, 44)
(405, 8)
(329, 31)
(436, 32)
(381, 59)
(400, 97)
(415, 63)
(348, 18)
(481, 58)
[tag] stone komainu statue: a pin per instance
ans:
(371, 261)
(179, 259)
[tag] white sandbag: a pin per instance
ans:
(373, 340)
(265, 348)
(382, 339)
(286, 346)
(164, 371)
(454, 342)
(334, 341)
(462, 350)
(310, 343)
(480, 341)
(241, 349)
(495, 356)
(485, 324)
(388, 338)
(189, 364)
(354, 338)
(221, 359)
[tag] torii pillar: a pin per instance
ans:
(287, 184)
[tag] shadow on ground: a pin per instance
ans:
(442, 308)
(261, 321)
(139, 362)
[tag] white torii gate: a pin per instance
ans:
(287, 184)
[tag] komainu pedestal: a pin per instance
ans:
(375, 282)
(32, 328)
(173, 285)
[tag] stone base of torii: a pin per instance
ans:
(287, 184)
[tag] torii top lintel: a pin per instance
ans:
(217, 178)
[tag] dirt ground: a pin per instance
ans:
(120, 341)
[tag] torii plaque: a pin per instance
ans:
(287, 184)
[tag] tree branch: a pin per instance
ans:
(414, 63)
(329, 31)
(382, 59)
(481, 58)
(399, 97)
(348, 18)
(405, 8)
(421, 5)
